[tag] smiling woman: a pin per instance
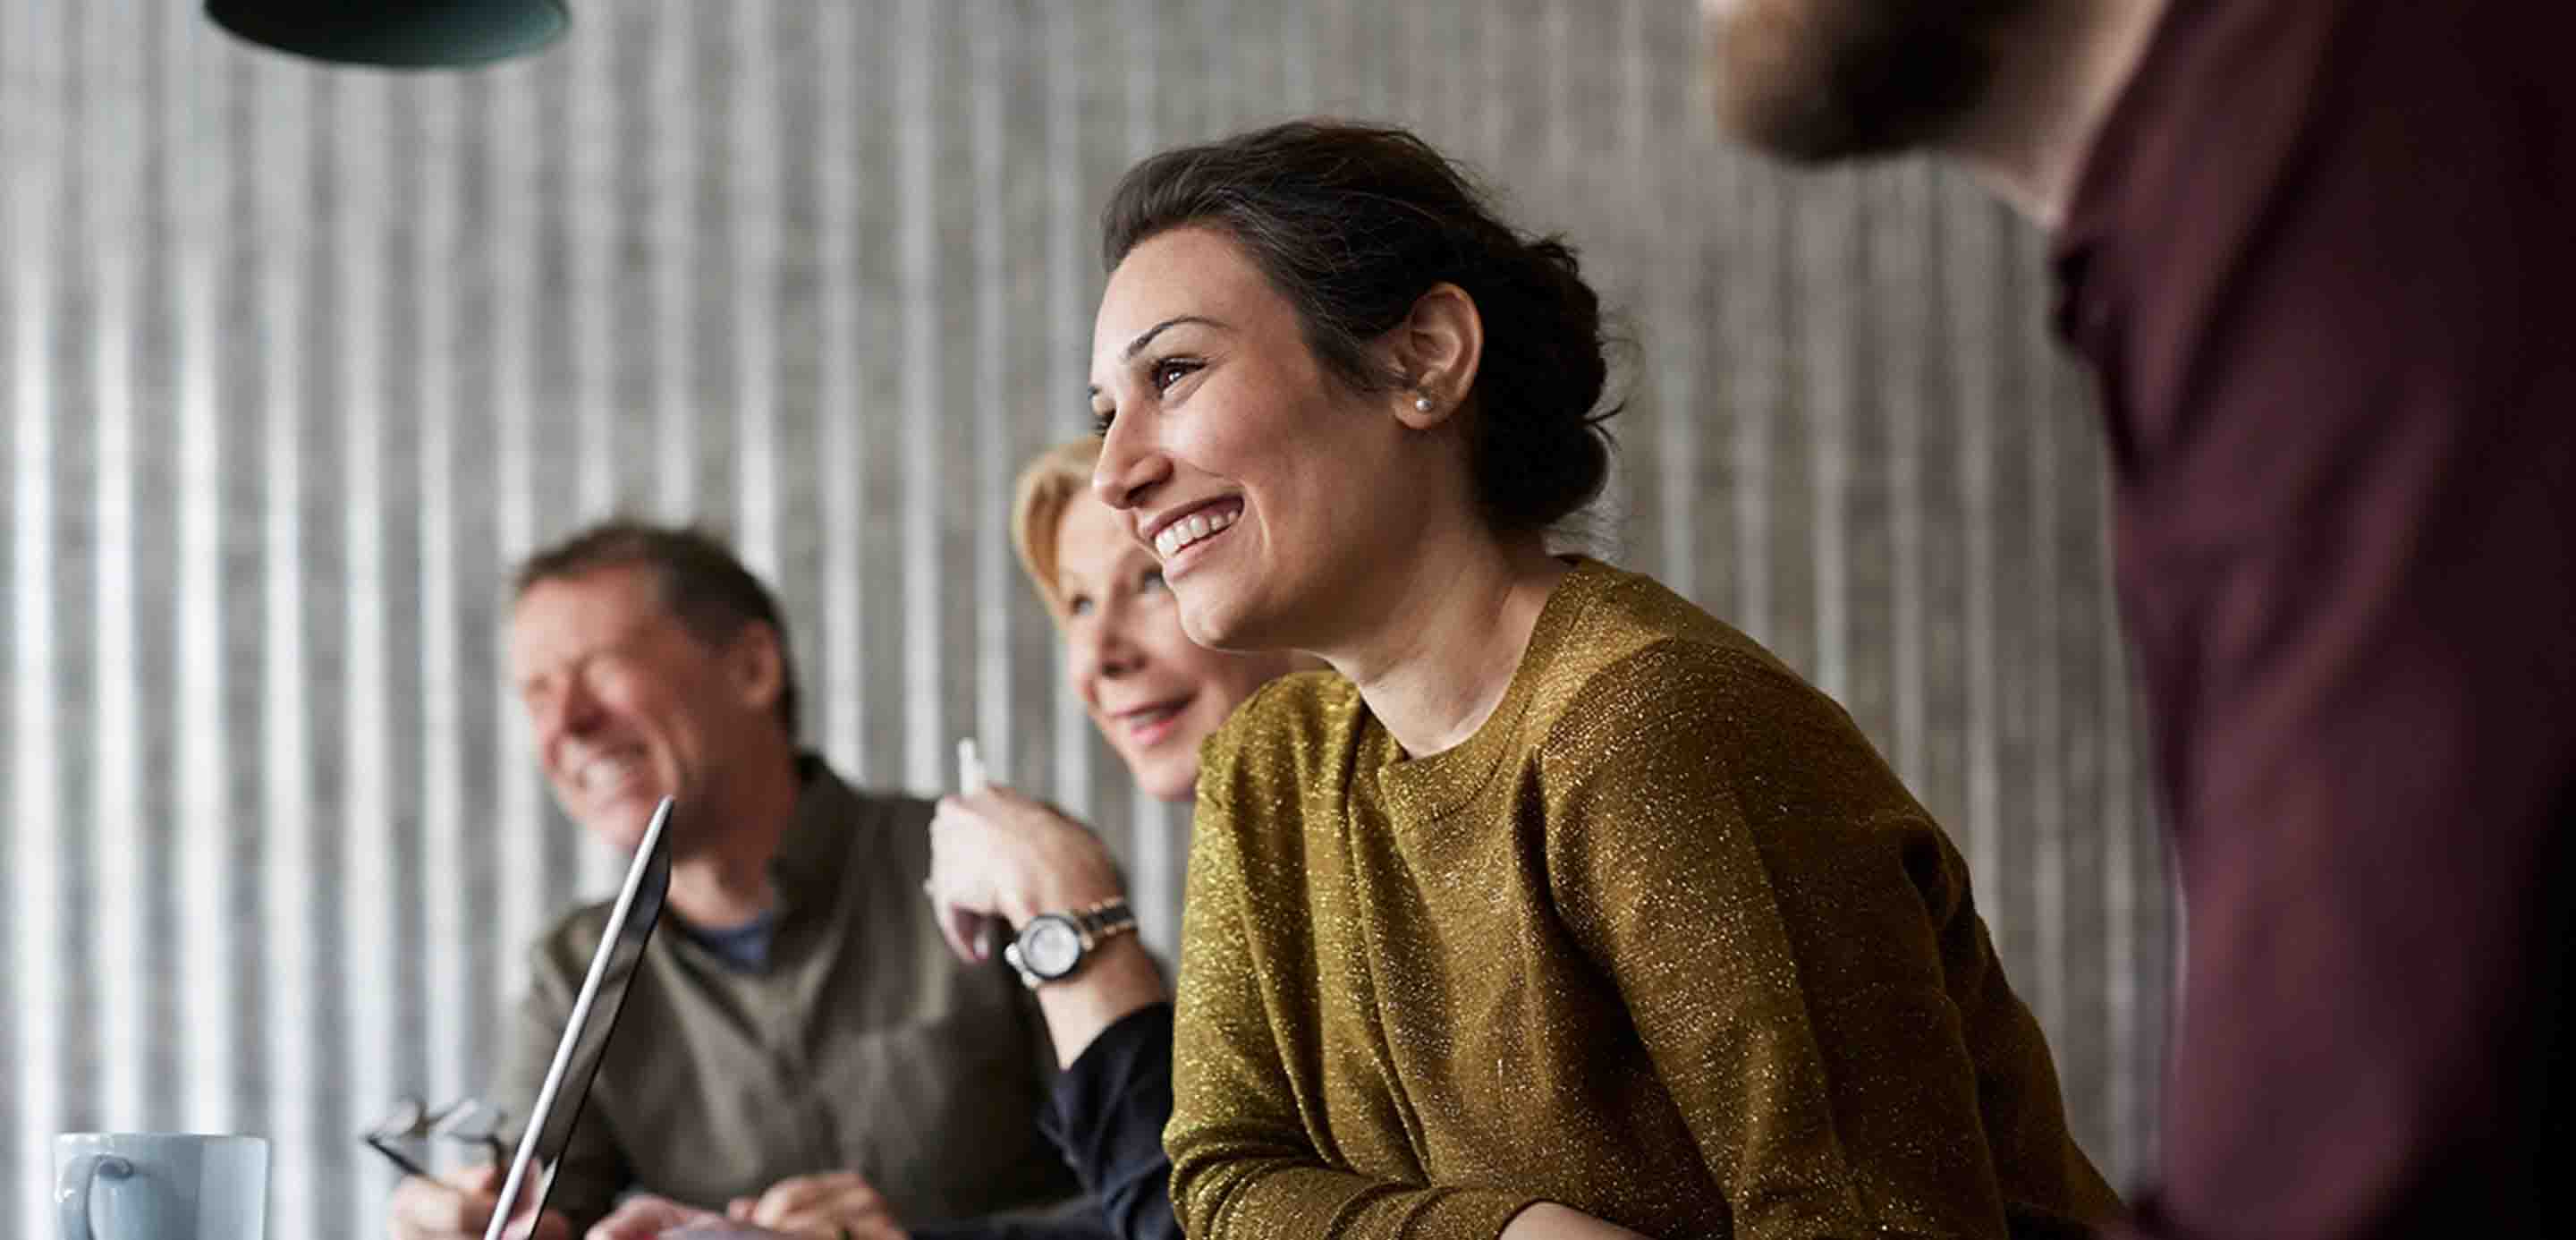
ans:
(1565, 909)
(1152, 692)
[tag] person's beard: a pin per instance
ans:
(1818, 80)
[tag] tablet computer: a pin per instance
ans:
(585, 1036)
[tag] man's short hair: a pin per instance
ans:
(700, 582)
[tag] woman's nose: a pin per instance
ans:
(1105, 650)
(1128, 469)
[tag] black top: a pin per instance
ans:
(1106, 1116)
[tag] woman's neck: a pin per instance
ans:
(1442, 654)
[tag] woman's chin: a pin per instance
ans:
(1204, 623)
(1167, 777)
(1175, 791)
(1219, 622)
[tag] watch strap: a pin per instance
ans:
(1104, 921)
(1093, 925)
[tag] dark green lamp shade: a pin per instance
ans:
(400, 34)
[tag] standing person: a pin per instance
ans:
(797, 1041)
(2317, 252)
(1563, 909)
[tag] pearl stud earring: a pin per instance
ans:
(1422, 403)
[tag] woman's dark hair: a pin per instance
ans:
(1353, 224)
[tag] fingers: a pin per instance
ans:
(969, 934)
(1000, 854)
(797, 1193)
(426, 1209)
(825, 1225)
(546, 1226)
(643, 1217)
(549, 1226)
(825, 1205)
(484, 1179)
(960, 885)
(720, 1228)
(1004, 808)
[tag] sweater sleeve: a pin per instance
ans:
(1766, 897)
(1244, 1163)
(1107, 1113)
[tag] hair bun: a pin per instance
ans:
(1352, 224)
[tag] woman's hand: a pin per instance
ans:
(1550, 1221)
(998, 855)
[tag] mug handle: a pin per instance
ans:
(71, 1197)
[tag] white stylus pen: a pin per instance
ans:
(970, 780)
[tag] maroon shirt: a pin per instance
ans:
(2323, 255)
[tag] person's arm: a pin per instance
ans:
(1243, 1163)
(1107, 1113)
(1769, 904)
(999, 858)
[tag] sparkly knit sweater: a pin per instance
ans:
(1664, 941)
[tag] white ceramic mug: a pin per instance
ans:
(160, 1186)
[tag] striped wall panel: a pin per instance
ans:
(295, 364)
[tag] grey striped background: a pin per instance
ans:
(295, 363)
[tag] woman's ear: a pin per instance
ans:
(1437, 347)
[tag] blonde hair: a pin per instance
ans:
(1048, 485)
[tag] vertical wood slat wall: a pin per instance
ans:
(297, 362)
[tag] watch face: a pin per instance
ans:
(1049, 946)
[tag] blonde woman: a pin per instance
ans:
(1003, 859)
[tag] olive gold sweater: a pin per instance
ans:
(1664, 941)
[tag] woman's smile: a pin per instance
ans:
(1182, 538)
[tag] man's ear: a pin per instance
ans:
(1437, 348)
(755, 668)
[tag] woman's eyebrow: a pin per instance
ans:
(1146, 337)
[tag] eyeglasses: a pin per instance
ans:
(406, 1137)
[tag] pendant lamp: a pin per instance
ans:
(398, 34)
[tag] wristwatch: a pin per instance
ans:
(1053, 945)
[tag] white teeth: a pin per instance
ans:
(601, 773)
(1147, 718)
(1188, 530)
